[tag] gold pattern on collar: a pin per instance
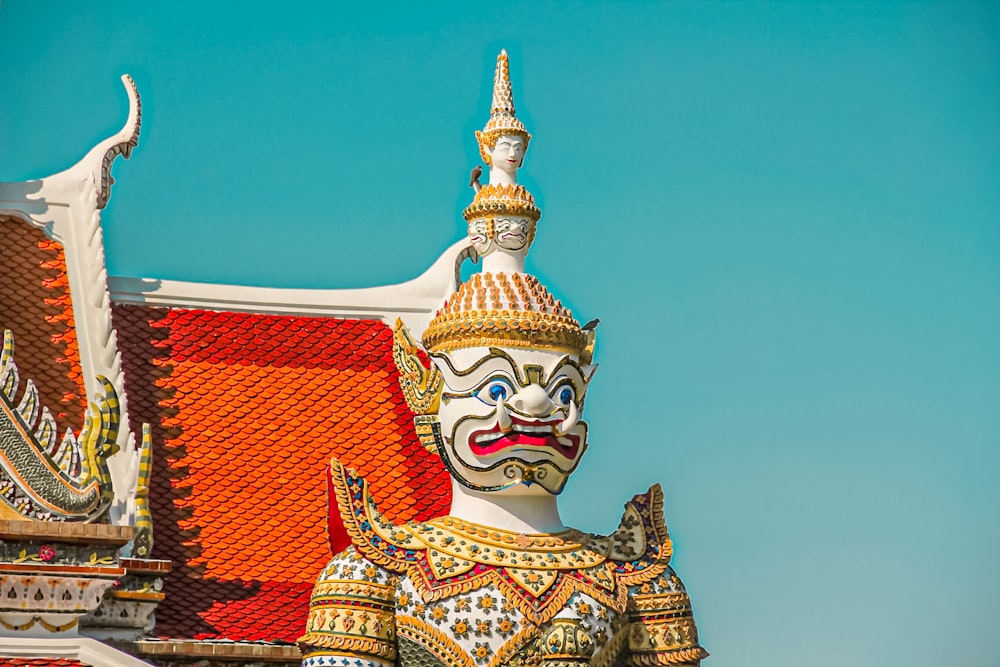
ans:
(463, 540)
(447, 557)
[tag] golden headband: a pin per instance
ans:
(500, 200)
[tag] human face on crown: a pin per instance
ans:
(507, 154)
(510, 418)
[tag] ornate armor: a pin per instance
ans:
(500, 581)
(454, 593)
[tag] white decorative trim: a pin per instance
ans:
(67, 207)
(85, 650)
(414, 301)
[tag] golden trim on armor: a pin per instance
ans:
(350, 616)
(443, 647)
(666, 637)
(678, 601)
(466, 541)
(566, 643)
(313, 644)
(688, 657)
(442, 561)
(607, 654)
(452, 654)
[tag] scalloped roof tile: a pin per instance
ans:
(35, 304)
(246, 411)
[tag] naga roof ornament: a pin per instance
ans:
(43, 477)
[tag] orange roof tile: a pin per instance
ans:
(246, 411)
(35, 305)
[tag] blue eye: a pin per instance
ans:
(496, 390)
(566, 395)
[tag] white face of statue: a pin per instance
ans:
(479, 235)
(510, 418)
(508, 153)
(512, 233)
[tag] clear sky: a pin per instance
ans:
(786, 215)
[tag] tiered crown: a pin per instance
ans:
(511, 310)
(502, 200)
(503, 119)
(505, 307)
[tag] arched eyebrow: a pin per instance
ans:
(517, 373)
(565, 361)
(494, 353)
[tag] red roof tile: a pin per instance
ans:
(247, 410)
(35, 305)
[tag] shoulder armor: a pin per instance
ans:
(640, 548)
(379, 540)
(352, 610)
(663, 631)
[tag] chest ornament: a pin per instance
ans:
(537, 573)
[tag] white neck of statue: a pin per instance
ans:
(517, 514)
(500, 261)
(500, 177)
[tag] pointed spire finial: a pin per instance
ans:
(503, 120)
(503, 95)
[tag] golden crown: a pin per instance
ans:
(507, 310)
(503, 119)
(499, 200)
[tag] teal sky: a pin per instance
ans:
(786, 215)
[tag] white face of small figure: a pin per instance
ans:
(512, 233)
(479, 235)
(510, 418)
(508, 153)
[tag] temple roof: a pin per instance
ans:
(35, 304)
(248, 393)
(247, 410)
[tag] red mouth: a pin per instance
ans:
(524, 434)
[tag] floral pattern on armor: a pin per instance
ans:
(473, 596)
(662, 629)
(537, 574)
(479, 624)
(352, 610)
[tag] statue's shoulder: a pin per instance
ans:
(663, 630)
(640, 547)
(373, 537)
(351, 583)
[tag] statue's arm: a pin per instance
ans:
(351, 615)
(661, 624)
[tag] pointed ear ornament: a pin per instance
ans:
(421, 385)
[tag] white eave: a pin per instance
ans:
(414, 301)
